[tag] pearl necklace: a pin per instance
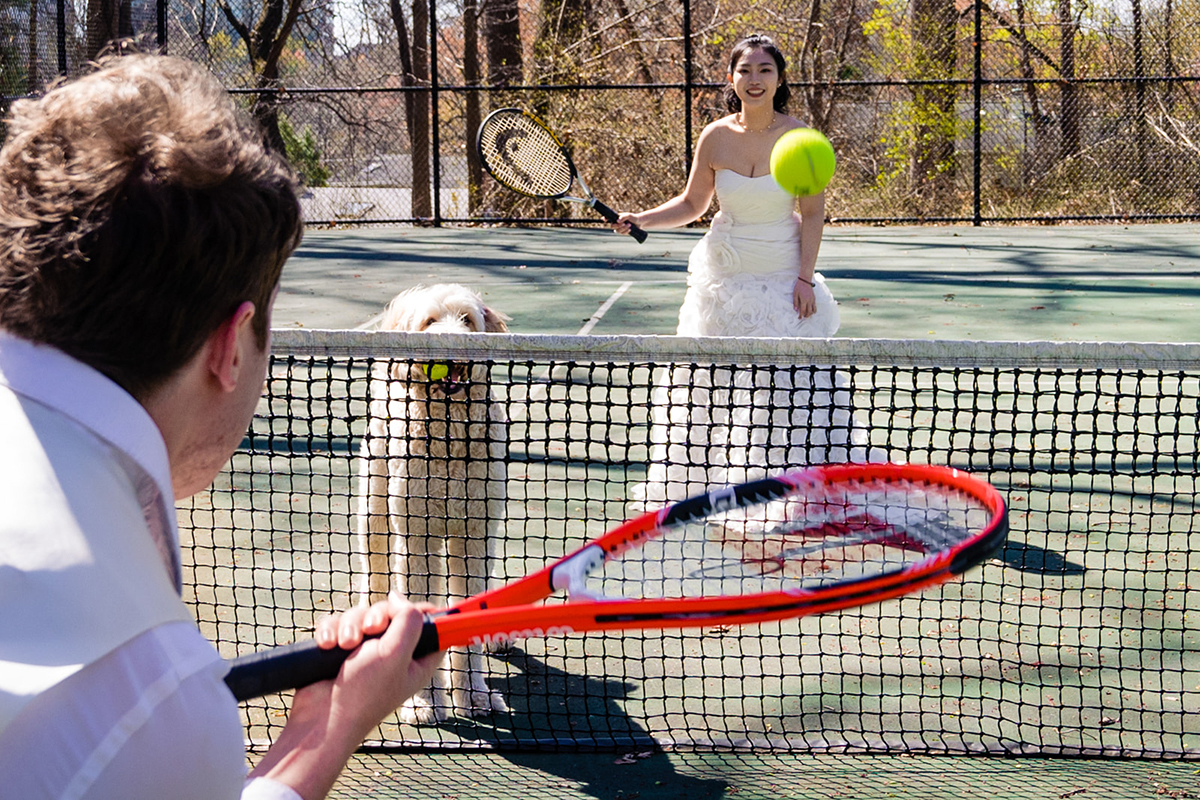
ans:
(748, 129)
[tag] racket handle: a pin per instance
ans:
(612, 216)
(294, 666)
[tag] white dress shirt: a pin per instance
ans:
(107, 689)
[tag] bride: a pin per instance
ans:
(753, 274)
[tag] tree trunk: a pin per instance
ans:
(934, 26)
(474, 117)
(1141, 134)
(1034, 163)
(502, 30)
(264, 45)
(558, 53)
(414, 61)
(1070, 108)
(107, 21)
(557, 50)
(418, 120)
(632, 38)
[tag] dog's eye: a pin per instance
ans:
(428, 322)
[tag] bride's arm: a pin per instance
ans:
(812, 226)
(691, 204)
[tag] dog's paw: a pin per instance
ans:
(498, 647)
(420, 711)
(479, 702)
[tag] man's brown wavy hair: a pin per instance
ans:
(139, 207)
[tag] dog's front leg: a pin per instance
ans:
(372, 547)
(467, 559)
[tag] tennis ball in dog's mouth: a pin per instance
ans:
(437, 371)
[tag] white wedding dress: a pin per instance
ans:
(712, 426)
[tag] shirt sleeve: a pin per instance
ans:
(267, 789)
(154, 712)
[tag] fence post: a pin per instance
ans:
(435, 136)
(687, 83)
(977, 155)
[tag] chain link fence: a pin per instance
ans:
(940, 110)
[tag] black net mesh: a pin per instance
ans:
(1079, 638)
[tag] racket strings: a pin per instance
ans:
(845, 533)
(524, 156)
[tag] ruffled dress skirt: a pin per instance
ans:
(712, 426)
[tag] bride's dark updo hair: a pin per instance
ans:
(757, 41)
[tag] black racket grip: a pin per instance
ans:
(293, 666)
(613, 216)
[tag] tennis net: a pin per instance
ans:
(1081, 638)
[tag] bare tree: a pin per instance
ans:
(264, 45)
(414, 66)
(33, 80)
(934, 24)
(474, 117)
(1071, 105)
(825, 49)
(107, 21)
(1026, 53)
(1141, 134)
(1031, 92)
(502, 34)
(559, 49)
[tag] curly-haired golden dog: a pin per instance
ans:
(431, 489)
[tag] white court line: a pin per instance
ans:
(540, 390)
(586, 329)
(603, 309)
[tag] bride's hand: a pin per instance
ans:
(625, 222)
(804, 299)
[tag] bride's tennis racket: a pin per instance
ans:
(523, 154)
(806, 542)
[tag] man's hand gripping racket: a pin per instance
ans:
(524, 155)
(806, 542)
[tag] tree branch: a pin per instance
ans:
(1020, 35)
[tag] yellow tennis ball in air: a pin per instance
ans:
(802, 162)
(436, 372)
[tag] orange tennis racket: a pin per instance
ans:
(806, 542)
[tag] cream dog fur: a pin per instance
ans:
(431, 488)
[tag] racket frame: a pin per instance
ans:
(508, 606)
(588, 200)
(507, 613)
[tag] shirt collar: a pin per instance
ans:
(52, 378)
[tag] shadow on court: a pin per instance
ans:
(552, 707)
(1065, 283)
(1038, 560)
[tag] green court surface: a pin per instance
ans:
(1102, 283)
(1092, 283)
(742, 776)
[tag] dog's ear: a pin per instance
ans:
(494, 321)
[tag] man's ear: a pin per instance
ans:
(225, 357)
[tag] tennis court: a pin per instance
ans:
(1080, 641)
